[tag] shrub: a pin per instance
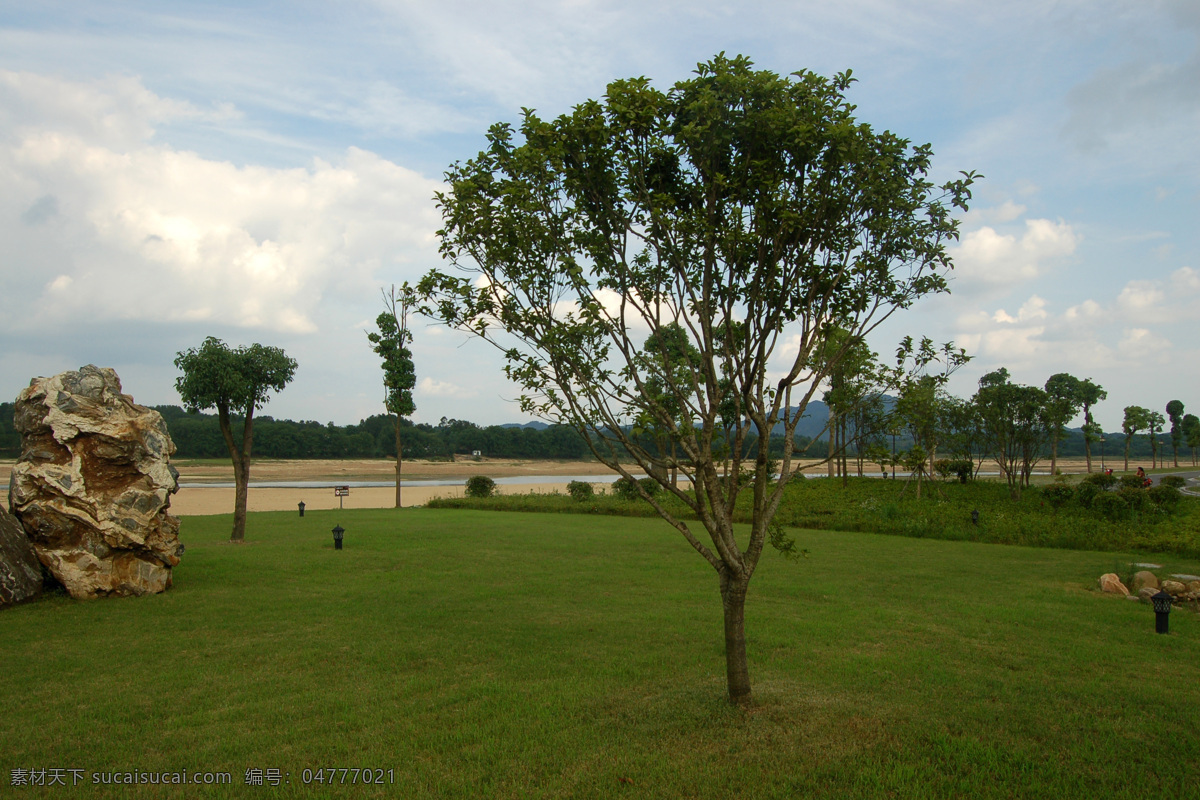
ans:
(1132, 482)
(1110, 504)
(1101, 480)
(580, 490)
(480, 486)
(1086, 493)
(1058, 494)
(1164, 496)
(1172, 481)
(1135, 498)
(625, 488)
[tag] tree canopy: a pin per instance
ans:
(391, 343)
(750, 209)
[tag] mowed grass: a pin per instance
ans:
(484, 654)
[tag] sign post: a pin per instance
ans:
(339, 492)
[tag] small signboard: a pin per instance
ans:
(339, 492)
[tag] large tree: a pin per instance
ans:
(1154, 426)
(750, 209)
(234, 382)
(399, 376)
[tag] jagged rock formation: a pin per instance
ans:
(93, 485)
(20, 570)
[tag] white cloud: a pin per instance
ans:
(149, 232)
(428, 386)
(988, 256)
(1140, 344)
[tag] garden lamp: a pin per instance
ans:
(1162, 609)
(301, 505)
(975, 517)
(338, 530)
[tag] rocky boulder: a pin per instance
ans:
(20, 570)
(1143, 579)
(1111, 584)
(1174, 588)
(93, 485)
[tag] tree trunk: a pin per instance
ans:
(398, 461)
(737, 669)
(1054, 456)
(241, 480)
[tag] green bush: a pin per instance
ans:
(1058, 494)
(1086, 493)
(1132, 482)
(1101, 480)
(581, 490)
(1136, 498)
(1172, 481)
(480, 486)
(1111, 504)
(1164, 496)
(625, 488)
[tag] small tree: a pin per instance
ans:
(399, 377)
(1175, 414)
(1089, 395)
(752, 210)
(1136, 419)
(1154, 426)
(234, 382)
(1191, 434)
(1064, 400)
(1016, 425)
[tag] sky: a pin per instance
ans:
(259, 171)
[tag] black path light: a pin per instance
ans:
(338, 530)
(975, 517)
(301, 505)
(1162, 610)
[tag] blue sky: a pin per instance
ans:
(258, 171)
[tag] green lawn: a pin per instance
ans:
(535, 655)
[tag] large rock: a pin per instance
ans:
(93, 485)
(20, 570)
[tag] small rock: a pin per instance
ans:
(1186, 578)
(1146, 593)
(1111, 584)
(1173, 588)
(1193, 586)
(20, 570)
(1141, 580)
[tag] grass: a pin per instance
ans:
(536, 655)
(944, 512)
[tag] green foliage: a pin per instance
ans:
(480, 486)
(1164, 496)
(1112, 505)
(238, 380)
(1087, 492)
(627, 488)
(1058, 494)
(581, 490)
(1173, 481)
(391, 344)
(1102, 480)
(1131, 482)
